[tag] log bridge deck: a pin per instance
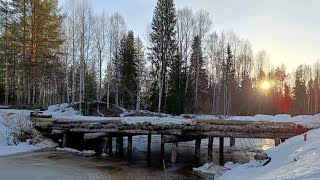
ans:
(99, 134)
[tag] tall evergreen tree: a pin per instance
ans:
(299, 91)
(163, 48)
(175, 86)
(198, 76)
(127, 57)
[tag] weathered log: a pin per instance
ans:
(88, 136)
(54, 132)
(173, 138)
(266, 135)
(261, 156)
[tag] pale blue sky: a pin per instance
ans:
(288, 29)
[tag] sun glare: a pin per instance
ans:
(265, 85)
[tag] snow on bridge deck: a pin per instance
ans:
(179, 127)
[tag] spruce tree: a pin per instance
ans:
(128, 70)
(163, 49)
(299, 91)
(198, 76)
(176, 88)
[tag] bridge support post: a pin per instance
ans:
(276, 141)
(119, 145)
(210, 147)
(65, 138)
(174, 152)
(149, 143)
(232, 141)
(104, 145)
(283, 140)
(130, 146)
(109, 143)
(221, 149)
(197, 150)
(162, 145)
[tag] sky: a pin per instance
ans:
(289, 30)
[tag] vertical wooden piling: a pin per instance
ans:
(174, 152)
(197, 150)
(104, 143)
(232, 141)
(119, 145)
(210, 147)
(221, 149)
(109, 141)
(129, 146)
(276, 141)
(162, 146)
(149, 143)
(65, 140)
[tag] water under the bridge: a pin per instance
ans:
(62, 165)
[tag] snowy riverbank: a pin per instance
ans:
(17, 134)
(293, 159)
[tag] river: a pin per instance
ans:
(49, 164)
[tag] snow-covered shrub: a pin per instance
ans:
(15, 128)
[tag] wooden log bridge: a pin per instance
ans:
(101, 132)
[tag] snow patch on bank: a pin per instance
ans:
(16, 128)
(293, 159)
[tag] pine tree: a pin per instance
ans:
(163, 48)
(36, 28)
(198, 76)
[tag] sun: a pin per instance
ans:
(265, 85)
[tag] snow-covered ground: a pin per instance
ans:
(293, 159)
(12, 129)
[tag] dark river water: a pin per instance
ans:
(50, 164)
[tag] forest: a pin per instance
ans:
(52, 54)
